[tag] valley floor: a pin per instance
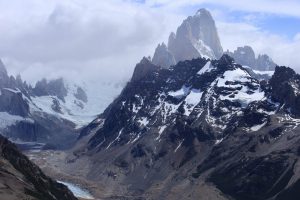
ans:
(59, 166)
(54, 163)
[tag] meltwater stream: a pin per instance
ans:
(77, 191)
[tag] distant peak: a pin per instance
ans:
(203, 12)
(162, 45)
(2, 68)
(145, 60)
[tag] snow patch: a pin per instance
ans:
(180, 93)
(258, 127)
(192, 100)
(179, 145)
(161, 130)
(219, 141)
(207, 68)
(143, 121)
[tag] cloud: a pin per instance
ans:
(103, 40)
(94, 39)
(282, 7)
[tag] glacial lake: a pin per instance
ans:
(77, 191)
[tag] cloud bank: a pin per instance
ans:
(103, 40)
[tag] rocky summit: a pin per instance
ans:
(197, 36)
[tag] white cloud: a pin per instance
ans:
(94, 39)
(283, 7)
(103, 40)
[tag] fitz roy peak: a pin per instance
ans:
(197, 36)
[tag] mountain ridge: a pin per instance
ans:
(173, 123)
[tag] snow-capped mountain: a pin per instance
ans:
(197, 36)
(194, 124)
(62, 99)
(49, 112)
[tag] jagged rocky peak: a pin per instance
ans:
(285, 84)
(143, 68)
(60, 89)
(265, 63)
(54, 87)
(197, 36)
(12, 101)
(163, 57)
(246, 56)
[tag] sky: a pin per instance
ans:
(101, 41)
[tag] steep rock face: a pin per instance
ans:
(285, 88)
(53, 87)
(265, 63)
(13, 102)
(197, 36)
(163, 57)
(21, 179)
(246, 56)
(142, 69)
